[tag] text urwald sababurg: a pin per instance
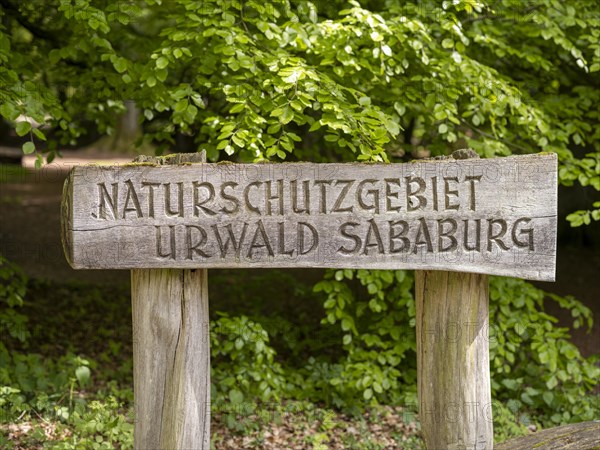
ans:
(201, 220)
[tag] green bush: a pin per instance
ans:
(537, 373)
(52, 389)
(98, 425)
(13, 286)
(243, 365)
(534, 366)
(378, 362)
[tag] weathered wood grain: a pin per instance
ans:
(453, 374)
(391, 216)
(575, 436)
(171, 358)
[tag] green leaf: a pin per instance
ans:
(120, 65)
(162, 62)
(161, 74)
(9, 111)
(236, 396)
(83, 375)
(376, 36)
(39, 134)
(364, 101)
(274, 128)
(315, 126)
(181, 105)
(23, 128)
(28, 147)
(287, 115)
(447, 43)
(238, 107)
(238, 141)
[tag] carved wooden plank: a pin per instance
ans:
(453, 372)
(485, 216)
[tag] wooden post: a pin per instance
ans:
(453, 371)
(171, 353)
(171, 358)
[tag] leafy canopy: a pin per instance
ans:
(329, 80)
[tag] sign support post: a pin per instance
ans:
(171, 358)
(171, 353)
(453, 369)
(454, 222)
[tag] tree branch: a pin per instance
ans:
(14, 12)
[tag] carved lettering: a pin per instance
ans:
(389, 194)
(472, 180)
(302, 247)
(323, 198)
(269, 197)
(199, 205)
(236, 244)
(249, 205)
(448, 193)
(168, 210)
(373, 231)
(496, 237)
(337, 206)
(170, 254)
(527, 231)
(373, 193)
(353, 237)
(260, 240)
(423, 233)
(399, 234)
(151, 187)
(449, 234)
(106, 199)
(192, 248)
(434, 193)
(281, 241)
(230, 198)
(131, 196)
(477, 246)
(421, 202)
(306, 191)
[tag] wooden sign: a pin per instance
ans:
(455, 220)
(493, 216)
